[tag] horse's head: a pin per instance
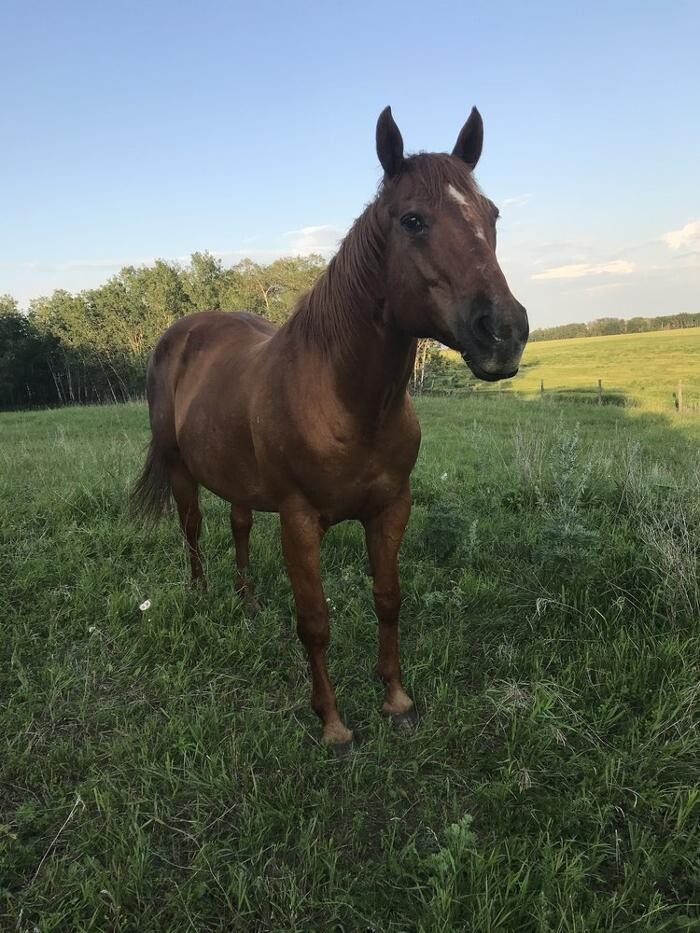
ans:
(443, 278)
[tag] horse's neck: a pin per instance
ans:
(369, 375)
(370, 360)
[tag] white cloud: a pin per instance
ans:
(80, 265)
(594, 289)
(687, 238)
(103, 265)
(520, 200)
(322, 239)
(580, 270)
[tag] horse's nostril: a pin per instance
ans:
(484, 325)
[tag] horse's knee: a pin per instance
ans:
(313, 628)
(241, 523)
(387, 601)
(191, 521)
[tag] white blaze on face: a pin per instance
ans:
(470, 215)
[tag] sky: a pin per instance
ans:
(130, 131)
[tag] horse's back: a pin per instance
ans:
(205, 330)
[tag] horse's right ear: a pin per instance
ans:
(389, 143)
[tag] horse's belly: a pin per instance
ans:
(218, 450)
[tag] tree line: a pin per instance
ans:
(94, 346)
(616, 325)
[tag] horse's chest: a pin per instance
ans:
(350, 479)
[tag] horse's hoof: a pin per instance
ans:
(339, 740)
(406, 721)
(252, 606)
(343, 749)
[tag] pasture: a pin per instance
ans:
(161, 770)
(638, 370)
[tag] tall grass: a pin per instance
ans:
(160, 769)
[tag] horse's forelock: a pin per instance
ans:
(431, 173)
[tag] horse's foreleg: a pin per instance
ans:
(241, 523)
(301, 544)
(383, 533)
(186, 495)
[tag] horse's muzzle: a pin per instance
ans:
(488, 375)
(493, 337)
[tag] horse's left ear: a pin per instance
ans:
(470, 140)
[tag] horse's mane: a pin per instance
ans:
(328, 314)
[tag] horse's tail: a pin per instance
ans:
(150, 495)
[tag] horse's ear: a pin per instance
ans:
(470, 139)
(389, 143)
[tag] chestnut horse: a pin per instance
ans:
(312, 419)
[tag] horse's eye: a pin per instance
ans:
(413, 223)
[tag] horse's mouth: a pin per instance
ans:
(484, 374)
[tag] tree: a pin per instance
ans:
(24, 375)
(606, 326)
(270, 290)
(94, 345)
(203, 282)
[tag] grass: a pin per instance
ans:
(635, 369)
(160, 769)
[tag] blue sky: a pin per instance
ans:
(130, 131)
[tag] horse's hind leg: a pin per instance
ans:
(241, 523)
(186, 495)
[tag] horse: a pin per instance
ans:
(313, 419)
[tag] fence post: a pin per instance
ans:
(600, 392)
(541, 386)
(679, 397)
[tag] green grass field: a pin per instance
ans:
(635, 369)
(161, 771)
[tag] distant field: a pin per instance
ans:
(639, 369)
(161, 771)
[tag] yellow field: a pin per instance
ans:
(644, 368)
